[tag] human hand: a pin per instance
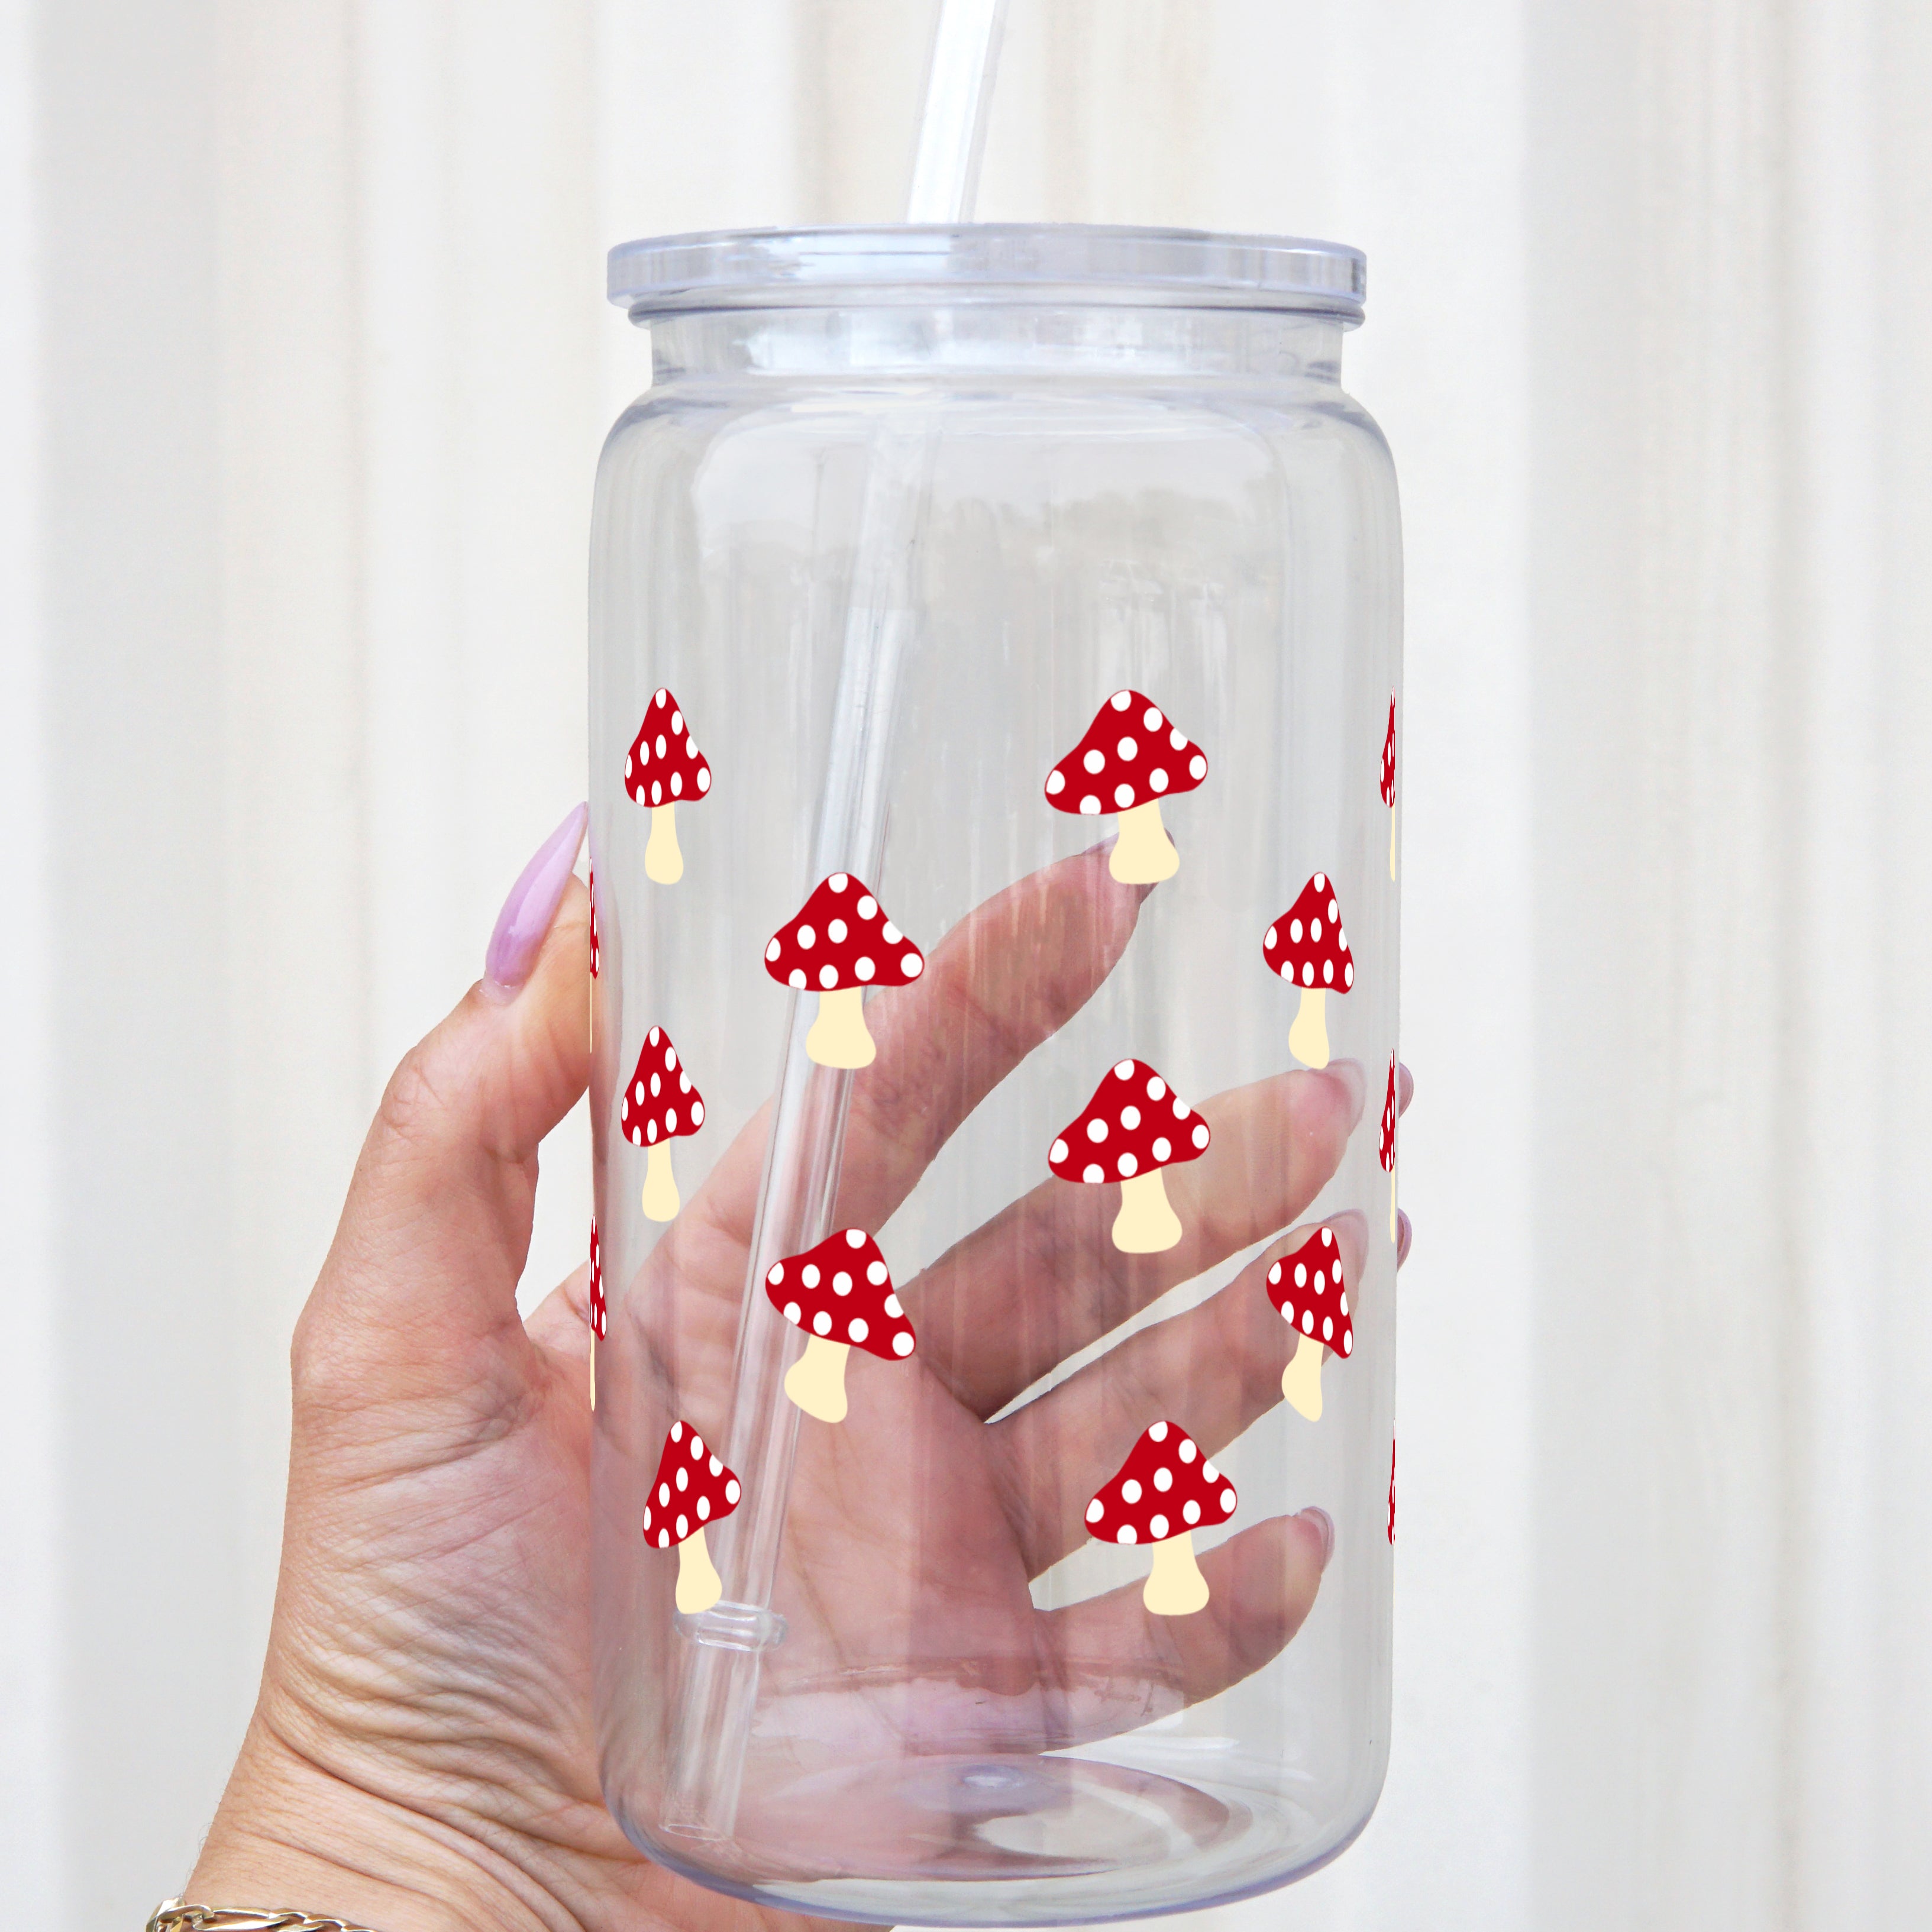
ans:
(422, 1753)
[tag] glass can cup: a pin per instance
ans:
(995, 700)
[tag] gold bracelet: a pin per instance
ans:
(171, 1915)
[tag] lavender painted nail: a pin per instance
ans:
(532, 905)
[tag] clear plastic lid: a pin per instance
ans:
(989, 262)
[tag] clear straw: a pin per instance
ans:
(711, 1728)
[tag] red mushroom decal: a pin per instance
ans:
(660, 1105)
(691, 1488)
(593, 922)
(840, 1296)
(1164, 1492)
(1385, 1148)
(1132, 757)
(840, 942)
(1309, 1295)
(665, 767)
(1388, 780)
(599, 1315)
(1308, 948)
(1391, 1490)
(1135, 1126)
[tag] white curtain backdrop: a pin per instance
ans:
(304, 364)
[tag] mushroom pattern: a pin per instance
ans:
(1135, 1125)
(665, 765)
(599, 1316)
(1391, 1490)
(1388, 780)
(840, 1296)
(593, 922)
(660, 1105)
(1309, 1295)
(839, 943)
(1308, 948)
(1132, 757)
(1164, 1491)
(1385, 1148)
(692, 1487)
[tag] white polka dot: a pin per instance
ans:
(731, 1490)
(1152, 718)
(1056, 782)
(855, 1237)
(1227, 1502)
(704, 778)
(683, 1526)
(1158, 1433)
(1096, 1130)
(912, 965)
(1121, 700)
(1125, 1534)
(1128, 1166)
(777, 1274)
(677, 784)
(1130, 1491)
(717, 1466)
(1188, 1451)
(796, 980)
(1321, 882)
(1190, 1513)
(807, 938)
(1090, 805)
(841, 1283)
(663, 1539)
(1096, 1510)
(1178, 738)
(857, 1330)
(1157, 779)
(1333, 913)
(1308, 974)
(1127, 750)
(809, 1274)
(839, 881)
(1348, 973)
(698, 1113)
(670, 1120)
(1294, 932)
(890, 933)
(1093, 760)
(868, 907)
(772, 951)
(863, 968)
(1208, 1470)
(893, 1307)
(657, 792)
(1328, 971)
(793, 1313)
(1162, 1148)
(651, 1131)
(1156, 1088)
(1163, 1477)
(1092, 1171)
(1314, 930)
(1268, 942)
(1308, 1321)
(1130, 1116)
(1201, 1134)
(835, 932)
(1057, 1152)
(684, 1479)
(828, 978)
(821, 1323)
(1197, 766)
(703, 1508)
(1123, 1069)
(1124, 795)
(902, 1342)
(1328, 1328)
(875, 1272)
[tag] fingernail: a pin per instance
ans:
(1405, 1089)
(1324, 1527)
(532, 905)
(1403, 1234)
(1348, 1074)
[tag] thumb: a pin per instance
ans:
(419, 1290)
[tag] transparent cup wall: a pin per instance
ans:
(930, 1688)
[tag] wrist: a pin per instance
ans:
(288, 1833)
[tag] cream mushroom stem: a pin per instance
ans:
(838, 1036)
(1301, 1380)
(1146, 1224)
(699, 1585)
(1143, 853)
(661, 1201)
(1175, 1587)
(816, 1381)
(1308, 1038)
(663, 860)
